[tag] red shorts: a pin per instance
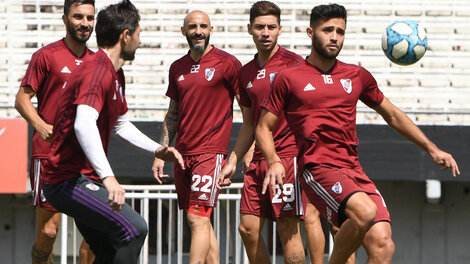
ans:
(287, 202)
(329, 188)
(35, 176)
(196, 184)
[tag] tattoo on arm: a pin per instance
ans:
(169, 124)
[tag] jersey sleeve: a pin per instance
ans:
(244, 98)
(122, 80)
(37, 71)
(232, 75)
(93, 92)
(371, 94)
(274, 103)
(172, 90)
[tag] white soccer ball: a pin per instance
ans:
(404, 42)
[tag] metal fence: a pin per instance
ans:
(166, 240)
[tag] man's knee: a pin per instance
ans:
(380, 247)
(49, 231)
(361, 210)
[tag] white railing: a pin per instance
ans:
(225, 216)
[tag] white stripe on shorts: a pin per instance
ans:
(320, 191)
(218, 168)
(37, 172)
(298, 193)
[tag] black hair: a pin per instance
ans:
(265, 8)
(325, 12)
(113, 20)
(68, 4)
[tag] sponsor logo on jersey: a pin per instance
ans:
(114, 97)
(309, 87)
(92, 187)
(209, 74)
(287, 207)
(347, 85)
(272, 75)
(203, 197)
(2, 130)
(249, 85)
(181, 78)
(337, 188)
(65, 70)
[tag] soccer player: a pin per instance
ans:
(47, 72)
(285, 206)
(91, 106)
(318, 99)
(202, 86)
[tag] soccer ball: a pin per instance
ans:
(404, 42)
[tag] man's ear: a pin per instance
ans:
(125, 36)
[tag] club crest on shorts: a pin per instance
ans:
(347, 85)
(43, 198)
(92, 187)
(337, 188)
(209, 73)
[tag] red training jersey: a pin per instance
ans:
(47, 72)
(98, 85)
(320, 108)
(255, 86)
(204, 91)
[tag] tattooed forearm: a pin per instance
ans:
(169, 124)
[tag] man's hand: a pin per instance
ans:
(116, 193)
(169, 154)
(445, 160)
(225, 175)
(157, 169)
(45, 131)
(274, 176)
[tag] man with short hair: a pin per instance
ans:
(285, 206)
(202, 86)
(47, 72)
(91, 106)
(318, 99)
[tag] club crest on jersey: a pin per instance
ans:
(347, 85)
(272, 75)
(209, 74)
(337, 188)
(92, 187)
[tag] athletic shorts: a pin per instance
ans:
(329, 188)
(287, 202)
(86, 201)
(35, 177)
(196, 184)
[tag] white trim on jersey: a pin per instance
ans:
(320, 191)
(218, 168)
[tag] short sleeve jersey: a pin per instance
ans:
(204, 90)
(320, 108)
(255, 86)
(98, 85)
(47, 72)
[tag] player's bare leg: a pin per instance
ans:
(361, 211)
(289, 232)
(378, 243)
(315, 235)
(250, 231)
(333, 230)
(200, 238)
(213, 254)
(47, 226)
(86, 256)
